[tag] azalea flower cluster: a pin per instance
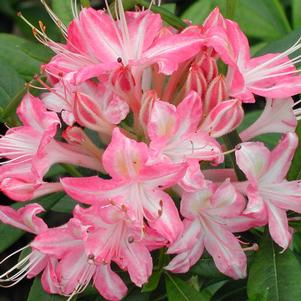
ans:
(158, 102)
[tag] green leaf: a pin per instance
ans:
(178, 289)
(232, 290)
(294, 172)
(65, 205)
(296, 13)
(136, 295)
(274, 276)
(264, 19)
(10, 83)
(23, 56)
(37, 293)
(10, 235)
(166, 15)
(153, 282)
(62, 9)
(198, 11)
(206, 268)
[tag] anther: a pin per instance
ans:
(238, 147)
(91, 258)
(130, 239)
(119, 59)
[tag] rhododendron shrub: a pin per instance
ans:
(143, 119)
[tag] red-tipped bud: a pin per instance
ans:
(74, 135)
(196, 81)
(216, 92)
(87, 113)
(224, 118)
(123, 80)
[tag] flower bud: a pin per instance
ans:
(216, 93)
(224, 118)
(147, 102)
(87, 113)
(123, 81)
(196, 81)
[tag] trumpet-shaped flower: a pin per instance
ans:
(97, 44)
(277, 117)
(208, 224)
(134, 183)
(31, 149)
(271, 75)
(269, 194)
(35, 262)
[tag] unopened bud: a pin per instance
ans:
(224, 118)
(216, 93)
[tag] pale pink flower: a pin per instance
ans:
(97, 44)
(135, 184)
(269, 194)
(210, 218)
(90, 242)
(174, 132)
(31, 149)
(270, 75)
(277, 117)
(35, 262)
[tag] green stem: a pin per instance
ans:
(231, 141)
(71, 170)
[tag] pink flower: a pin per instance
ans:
(270, 75)
(277, 117)
(98, 44)
(93, 105)
(174, 132)
(210, 218)
(269, 194)
(134, 183)
(36, 262)
(31, 149)
(88, 244)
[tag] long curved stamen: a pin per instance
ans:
(14, 253)
(23, 267)
(55, 19)
(289, 51)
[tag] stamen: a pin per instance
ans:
(254, 247)
(55, 19)
(290, 50)
(16, 252)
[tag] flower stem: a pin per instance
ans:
(231, 141)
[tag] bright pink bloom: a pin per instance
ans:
(270, 75)
(174, 132)
(134, 183)
(90, 242)
(208, 214)
(36, 262)
(269, 194)
(97, 44)
(31, 150)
